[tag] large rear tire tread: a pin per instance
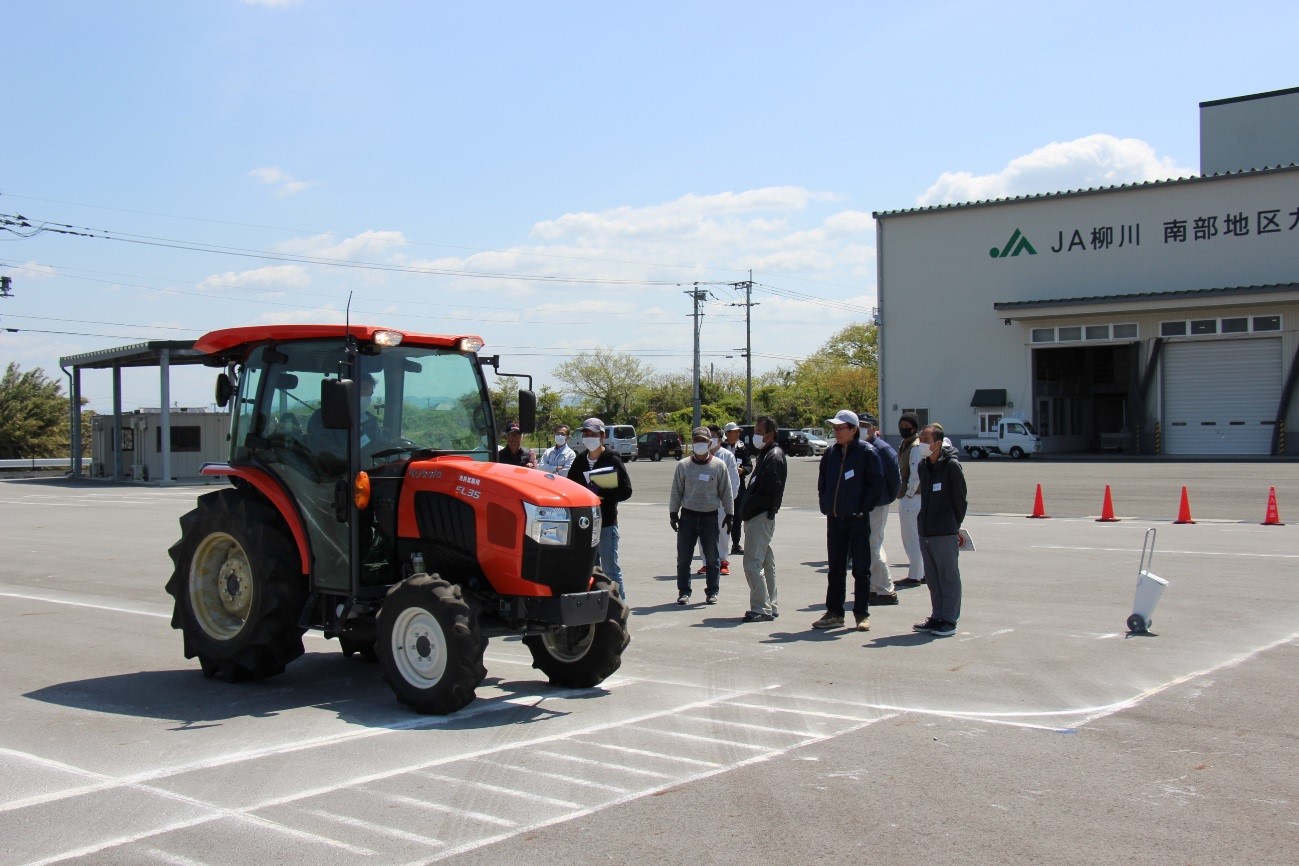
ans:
(602, 658)
(269, 636)
(461, 637)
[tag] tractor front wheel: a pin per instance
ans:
(238, 587)
(583, 656)
(430, 645)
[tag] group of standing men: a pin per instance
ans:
(725, 487)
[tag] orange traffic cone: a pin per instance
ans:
(1272, 518)
(1184, 513)
(1107, 509)
(1039, 509)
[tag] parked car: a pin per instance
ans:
(622, 440)
(793, 442)
(816, 438)
(658, 444)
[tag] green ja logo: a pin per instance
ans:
(1017, 244)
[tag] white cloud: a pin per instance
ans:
(35, 271)
(367, 245)
(284, 182)
(1092, 161)
(271, 276)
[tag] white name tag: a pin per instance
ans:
(849, 474)
(938, 485)
(704, 476)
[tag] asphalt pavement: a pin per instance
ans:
(1041, 732)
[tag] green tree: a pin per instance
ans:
(34, 416)
(606, 380)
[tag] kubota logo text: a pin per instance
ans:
(1017, 244)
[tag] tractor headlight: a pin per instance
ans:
(597, 523)
(547, 525)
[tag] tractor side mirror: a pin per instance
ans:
(223, 390)
(528, 411)
(336, 404)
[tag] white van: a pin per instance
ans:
(621, 438)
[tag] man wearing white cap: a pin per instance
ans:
(596, 456)
(849, 483)
(731, 431)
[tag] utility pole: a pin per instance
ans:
(697, 294)
(748, 344)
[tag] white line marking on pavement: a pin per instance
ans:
(568, 780)
(580, 760)
(628, 750)
(174, 859)
(403, 800)
(636, 795)
(370, 827)
(499, 789)
(749, 726)
(679, 735)
(51, 599)
(812, 713)
(1167, 552)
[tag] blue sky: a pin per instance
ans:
(613, 154)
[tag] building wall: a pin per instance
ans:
(1250, 132)
(941, 338)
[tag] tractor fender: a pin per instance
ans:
(269, 486)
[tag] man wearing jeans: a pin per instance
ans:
(758, 510)
(597, 456)
(700, 486)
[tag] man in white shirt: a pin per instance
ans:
(558, 458)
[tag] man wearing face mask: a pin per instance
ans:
(558, 458)
(724, 454)
(701, 484)
(760, 503)
(596, 456)
(942, 510)
(849, 481)
(909, 456)
(882, 591)
(743, 464)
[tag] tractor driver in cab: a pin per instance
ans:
(331, 445)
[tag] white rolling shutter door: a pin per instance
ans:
(1221, 396)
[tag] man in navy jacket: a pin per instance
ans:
(850, 482)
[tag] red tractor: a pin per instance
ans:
(366, 501)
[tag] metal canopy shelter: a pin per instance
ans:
(155, 353)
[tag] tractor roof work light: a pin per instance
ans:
(470, 344)
(387, 338)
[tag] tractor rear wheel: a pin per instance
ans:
(583, 656)
(238, 587)
(430, 645)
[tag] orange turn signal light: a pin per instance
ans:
(361, 490)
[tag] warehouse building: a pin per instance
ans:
(1148, 318)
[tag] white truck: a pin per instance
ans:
(1015, 438)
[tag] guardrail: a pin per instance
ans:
(41, 463)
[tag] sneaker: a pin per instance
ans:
(928, 625)
(863, 623)
(750, 616)
(683, 599)
(736, 550)
(883, 598)
(726, 566)
(830, 620)
(907, 581)
(943, 629)
(703, 569)
(710, 599)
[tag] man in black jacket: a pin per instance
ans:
(849, 483)
(758, 507)
(942, 510)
